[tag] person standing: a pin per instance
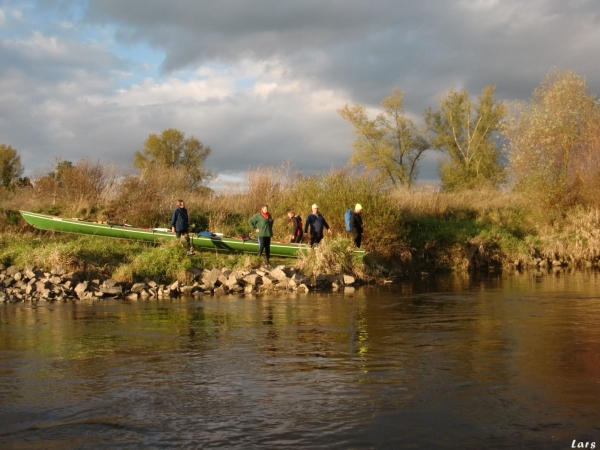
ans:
(356, 225)
(296, 227)
(180, 225)
(262, 224)
(316, 222)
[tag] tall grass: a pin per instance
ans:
(333, 256)
(418, 229)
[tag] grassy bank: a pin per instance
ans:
(404, 231)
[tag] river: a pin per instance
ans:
(444, 362)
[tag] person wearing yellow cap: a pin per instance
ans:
(356, 225)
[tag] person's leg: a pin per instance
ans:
(261, 245)
(267, 247)
(357, 240)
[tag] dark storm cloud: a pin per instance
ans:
(82, 103)
(368, 47)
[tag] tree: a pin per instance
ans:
(553, 140)
(465, 133)
(171, 149)
(390, 146)
(10, 165)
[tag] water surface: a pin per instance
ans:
(466, 362)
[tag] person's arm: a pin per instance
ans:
(326, 225)
(173, 221)
(309, 220)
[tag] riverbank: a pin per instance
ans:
(32, 284)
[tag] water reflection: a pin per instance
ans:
(441, 362)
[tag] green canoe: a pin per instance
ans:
(45, 222)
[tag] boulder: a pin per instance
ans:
(278, 274)
(138, 287)
(252, 279)
(81, 289)
(12, 270)
(349, 279)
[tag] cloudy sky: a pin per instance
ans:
(260, 81)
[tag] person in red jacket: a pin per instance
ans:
(296, 227)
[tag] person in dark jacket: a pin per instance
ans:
(317, 223)
(296, 227)
(180, 225)
(356, 225)
(262, 224)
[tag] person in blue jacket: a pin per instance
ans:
(262, 224)
(180, 225)
(317, 224)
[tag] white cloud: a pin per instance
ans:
(261, 84)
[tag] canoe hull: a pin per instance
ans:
(52, 223)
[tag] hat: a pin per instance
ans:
(358, 207)
(315, 206)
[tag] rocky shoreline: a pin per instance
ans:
(32, 284)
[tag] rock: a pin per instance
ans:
(348, 280)
(221, 290)
(302, 288)
(110, 283)
(111, 290)
(249, 289)
(41, 285)
(132, 296)
(211, 277)
(298, 278)
(195, 273)
(81, 289)
(138, 287)
(187, 290)
(278, 274)
(349, 290)
(12, 270)
(251, 279)
(58, 271)
(267, 280)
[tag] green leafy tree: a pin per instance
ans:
(553, 139)
(171, 149)
(10, 165)
(465, 133)
(390, 146)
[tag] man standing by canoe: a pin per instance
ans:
(180, 225)
(317, 223)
